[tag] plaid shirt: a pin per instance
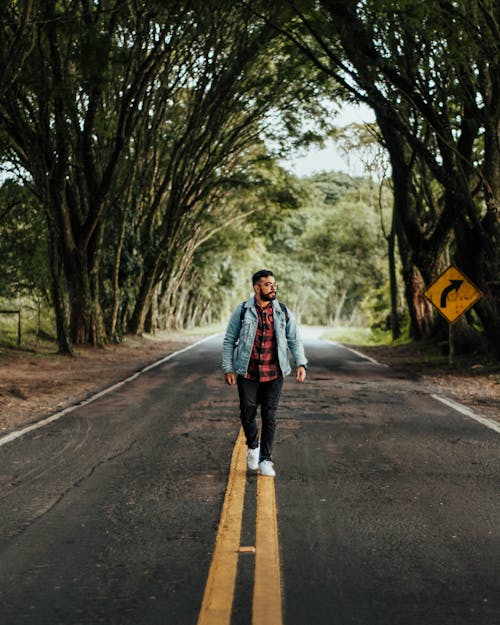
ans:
(264, 365)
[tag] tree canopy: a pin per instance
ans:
(135, 125)
(140, 136)
(430, 71)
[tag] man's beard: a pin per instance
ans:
(268, 297)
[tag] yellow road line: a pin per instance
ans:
(217, 602)
(267, 602)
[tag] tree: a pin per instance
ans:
(225, 243)
(327, 251)
(212, 148)
(367, 142)
(17, 38)
(430, 71)
(69, 116)
(23, 244)
(136, 118)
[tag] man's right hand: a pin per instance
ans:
(230, 378)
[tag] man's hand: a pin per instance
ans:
(301, 374)
(230, 378)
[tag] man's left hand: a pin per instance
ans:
(301, 374)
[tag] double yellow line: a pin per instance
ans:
(217, 604)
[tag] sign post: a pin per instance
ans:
(452, 294)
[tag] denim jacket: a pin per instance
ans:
(240, 336)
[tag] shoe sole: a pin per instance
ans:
(273, 474)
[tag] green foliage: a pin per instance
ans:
(37, 324)
(23, 243)
(327, 252)
(430, 71)
(136, 125)
(144, 129)
(375, 309)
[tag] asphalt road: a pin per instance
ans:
(387, 501)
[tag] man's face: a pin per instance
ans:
(266, 288)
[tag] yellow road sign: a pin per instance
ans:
(452, 294)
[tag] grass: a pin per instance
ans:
(362, 336)
(409, 351)
(46, 342)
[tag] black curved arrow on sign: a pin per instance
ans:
(453, 286)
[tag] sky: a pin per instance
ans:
(331, 158)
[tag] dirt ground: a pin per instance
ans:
(34, 385)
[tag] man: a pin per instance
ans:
(255, 357)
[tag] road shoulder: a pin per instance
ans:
(35, 385)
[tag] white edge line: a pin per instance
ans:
(493, 425)
(364, 356)
(39, 424)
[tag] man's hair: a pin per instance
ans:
(263, 273)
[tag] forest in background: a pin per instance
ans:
(325, 244)
(140, 189)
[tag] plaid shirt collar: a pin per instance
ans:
(264, 364)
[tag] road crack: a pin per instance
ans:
(76, 484)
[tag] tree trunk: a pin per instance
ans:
(419, 310)
(488, 308)
(151, 323)
(143, 302)
(116, 273)
(86, 321)
(339, 308)
(64, 342)
(393, 280)
(419, 254)
(478, 257)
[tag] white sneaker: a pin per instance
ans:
(253, 459)
(266, 468)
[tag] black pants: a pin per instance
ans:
(267, 394)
